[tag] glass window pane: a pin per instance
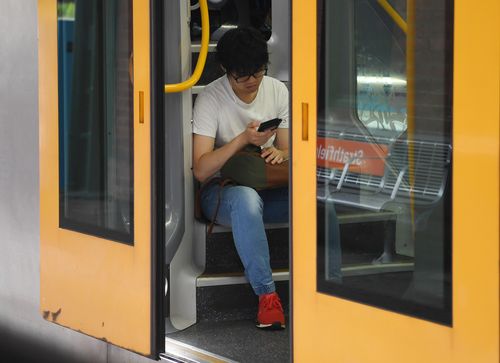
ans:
(96, 117)
(384, 155)
(380, 47)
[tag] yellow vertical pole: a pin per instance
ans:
(410, 98)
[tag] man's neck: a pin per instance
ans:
(246, 96)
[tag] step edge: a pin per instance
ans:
(189, 353)
(269, 226)
(209, 281)
(362, 269)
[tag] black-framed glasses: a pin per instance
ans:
(243, 78)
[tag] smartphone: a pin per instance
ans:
(271, 124)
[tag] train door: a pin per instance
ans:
(395, 181)
(99, 252)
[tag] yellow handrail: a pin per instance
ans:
(202, 58)
(393, 14)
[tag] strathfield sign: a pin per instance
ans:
(362, 157)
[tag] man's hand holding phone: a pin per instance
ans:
(259, 136)
(254, 137)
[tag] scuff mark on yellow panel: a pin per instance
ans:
(56, 315)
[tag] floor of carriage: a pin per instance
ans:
(239, 341)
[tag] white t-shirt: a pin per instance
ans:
(220, 114)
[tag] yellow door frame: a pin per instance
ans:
(331, 329)
(90, 284)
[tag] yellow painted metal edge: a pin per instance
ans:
(476, 131)
(98, 287)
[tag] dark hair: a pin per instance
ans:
(242, 51)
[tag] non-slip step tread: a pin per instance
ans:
(238, 340)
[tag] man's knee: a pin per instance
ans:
(245, 199)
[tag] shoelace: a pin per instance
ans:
(271, 302)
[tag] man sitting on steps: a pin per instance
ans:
(226, 117)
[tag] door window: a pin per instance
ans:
(384, 154)
(96, 117)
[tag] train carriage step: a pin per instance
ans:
(373, 232)
(222, 257)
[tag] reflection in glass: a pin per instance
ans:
(384, 170)
(96, 117)
(381, 68)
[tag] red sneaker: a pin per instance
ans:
(270, 314)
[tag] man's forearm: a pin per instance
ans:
(212, 162)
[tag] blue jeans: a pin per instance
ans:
(245, 211)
